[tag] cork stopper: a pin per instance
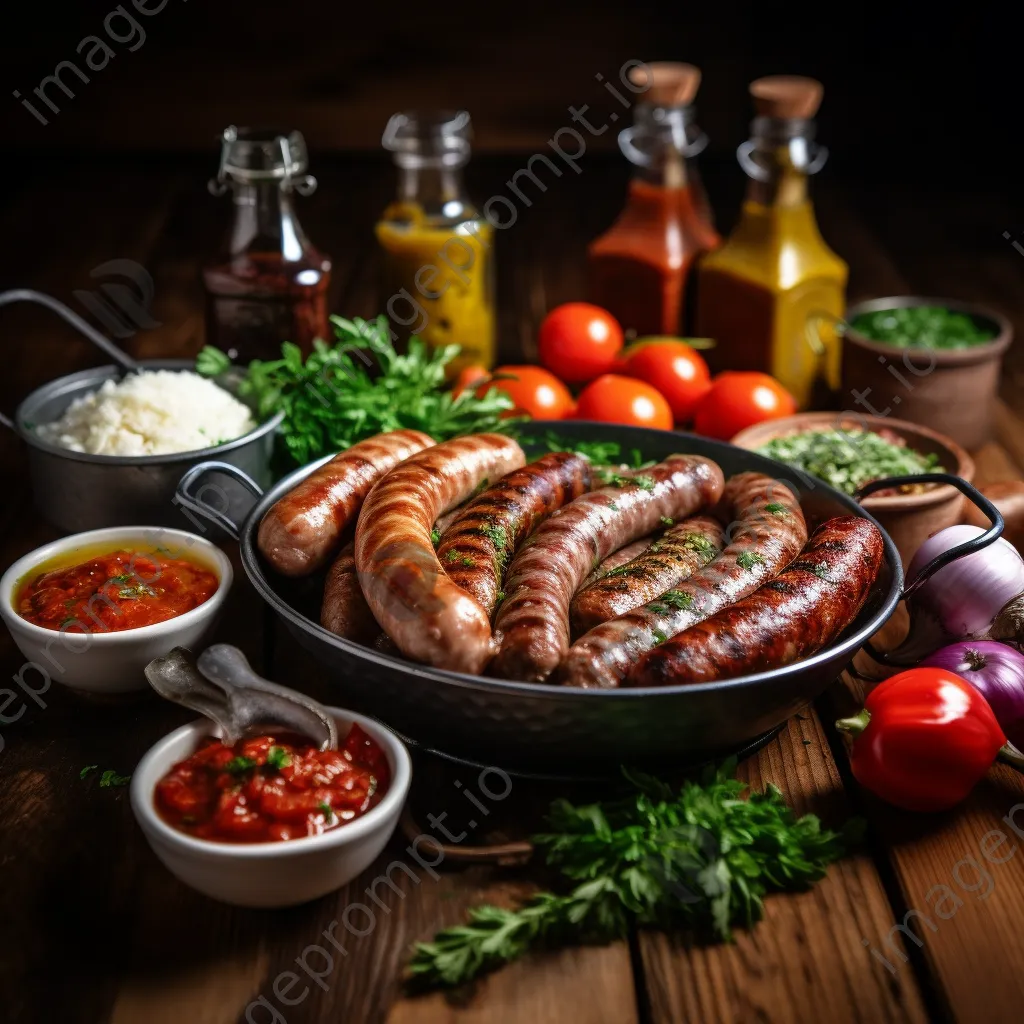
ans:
(786, 96)
(670, 84)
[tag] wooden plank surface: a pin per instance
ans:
(135, 946)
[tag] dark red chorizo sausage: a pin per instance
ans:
(299, 533)
(344, 610)
(766, 533)
(418, 606)
(533, 620)
(476, 548)
(672, 558)
(799, 612)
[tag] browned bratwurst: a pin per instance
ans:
(476, 548)
(672, 558)
(345, 611)
(300, 532)
(789, 618)
(766, 533)
(430, 618)
(533, 620)
(617, 558)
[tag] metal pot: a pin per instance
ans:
(76, 492)
(534, 729)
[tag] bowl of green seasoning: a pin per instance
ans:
(847, 450)
(934, 362)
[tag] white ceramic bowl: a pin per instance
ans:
(272, 874)
(114, 661)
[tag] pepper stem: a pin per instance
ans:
(1010, 755)
(859, 722)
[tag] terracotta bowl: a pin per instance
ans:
(908, 518)
(953, 390)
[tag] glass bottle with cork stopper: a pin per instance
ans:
(760, 293)
(438, 251)
(269, 284)
(640, 268)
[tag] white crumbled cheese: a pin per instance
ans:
(156, 412)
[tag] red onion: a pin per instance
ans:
(996, 671)
(965, 598)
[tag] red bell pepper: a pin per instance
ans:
(924, 739)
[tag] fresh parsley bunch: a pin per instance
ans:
(701, 860)
(358, 387)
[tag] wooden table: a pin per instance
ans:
(93, 928)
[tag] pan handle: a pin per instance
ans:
(968, 547)
(190, 494)
(103, 343)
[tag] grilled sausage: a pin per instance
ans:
(476, 548)
(789, 618)
(344, 610)
(617, 558)
(767, 533)
(428, 617)
(674, 557)
(299, 533)
(533, 621)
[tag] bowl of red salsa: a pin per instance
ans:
(93, 609)
(271, 821)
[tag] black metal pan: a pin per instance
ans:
(537, 729)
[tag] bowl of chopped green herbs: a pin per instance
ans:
(847, 451)
(934, 362)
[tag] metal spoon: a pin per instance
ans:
(221, 685)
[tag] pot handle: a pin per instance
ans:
(103, 343)
(968, 547)
(190, 494)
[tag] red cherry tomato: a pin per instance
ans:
(676, 370)
(615, 399)
(468, 376)
(738, 400)
(578, 341)
(535, 392)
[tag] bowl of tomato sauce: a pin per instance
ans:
(271, 821)
(93, 609)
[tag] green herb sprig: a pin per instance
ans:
(701, 859)
(360, 386)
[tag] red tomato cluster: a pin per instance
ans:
(654, 382)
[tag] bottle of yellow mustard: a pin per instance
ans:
(438, 249)
(770, 295)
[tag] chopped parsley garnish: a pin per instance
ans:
(819, 569)
(659, 636)
(134, 593)
(498, 536)
(238, 765)
(454, 556)
(749, 559)
(327, 811)
(88, 768)
(278, 757)
(613, 506)
(700, 544)
(645, 483)
(666, 521)
(435, 536)
(111, 778)
(776, 508)
(677, 599)
(598, 452)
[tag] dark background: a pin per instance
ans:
(909, 88)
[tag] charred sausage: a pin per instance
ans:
(789, 618)
(617, 558)
(301, 531)
(533, 621)
(766, 533)
(672, 558)
(430, 618)
(345, 611)
(476, 548)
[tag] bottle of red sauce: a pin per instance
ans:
(640, 267)
(269, 284)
